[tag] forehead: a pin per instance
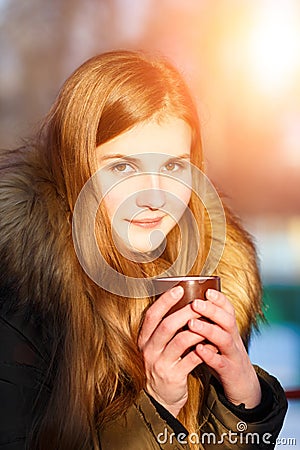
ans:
(172, 136)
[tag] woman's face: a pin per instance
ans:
(145, 181)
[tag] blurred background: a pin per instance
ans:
(242, 61)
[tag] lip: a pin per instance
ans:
(147, 223)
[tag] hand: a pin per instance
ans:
(162, 342)
(231, 363)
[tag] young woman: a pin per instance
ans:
(88, 358)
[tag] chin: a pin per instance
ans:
(142, 252)
(152, 243)
(143, 248)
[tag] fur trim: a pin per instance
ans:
(34, 235)
(37, 255)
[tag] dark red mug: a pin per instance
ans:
(194, 287)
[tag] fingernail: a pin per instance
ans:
(196, 324)
(199, 305)
(212, 294)
(176, 291)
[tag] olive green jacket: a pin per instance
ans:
(36, 280)
(143, 428)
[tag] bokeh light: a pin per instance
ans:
(274, 45)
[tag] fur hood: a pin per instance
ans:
(38, 264)
(35, 237)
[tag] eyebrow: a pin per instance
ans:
(131, 158)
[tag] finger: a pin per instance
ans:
(157, 311)
(189, 362)
(216, 314)
(179, 345)
(219, 299)
(213, 359)
(218, 337)
(169, 327)
(210, 346)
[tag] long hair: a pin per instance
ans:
(100, 369)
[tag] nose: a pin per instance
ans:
(150, 195)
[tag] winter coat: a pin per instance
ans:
(29, 262)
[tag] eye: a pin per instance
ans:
(122, 168)
(174, 166)
(170, 167)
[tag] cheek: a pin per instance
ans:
(120, 199)
(112, 202)
(179, 191)
(186, 195)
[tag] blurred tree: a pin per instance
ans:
(41, 43)
(251, 138)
